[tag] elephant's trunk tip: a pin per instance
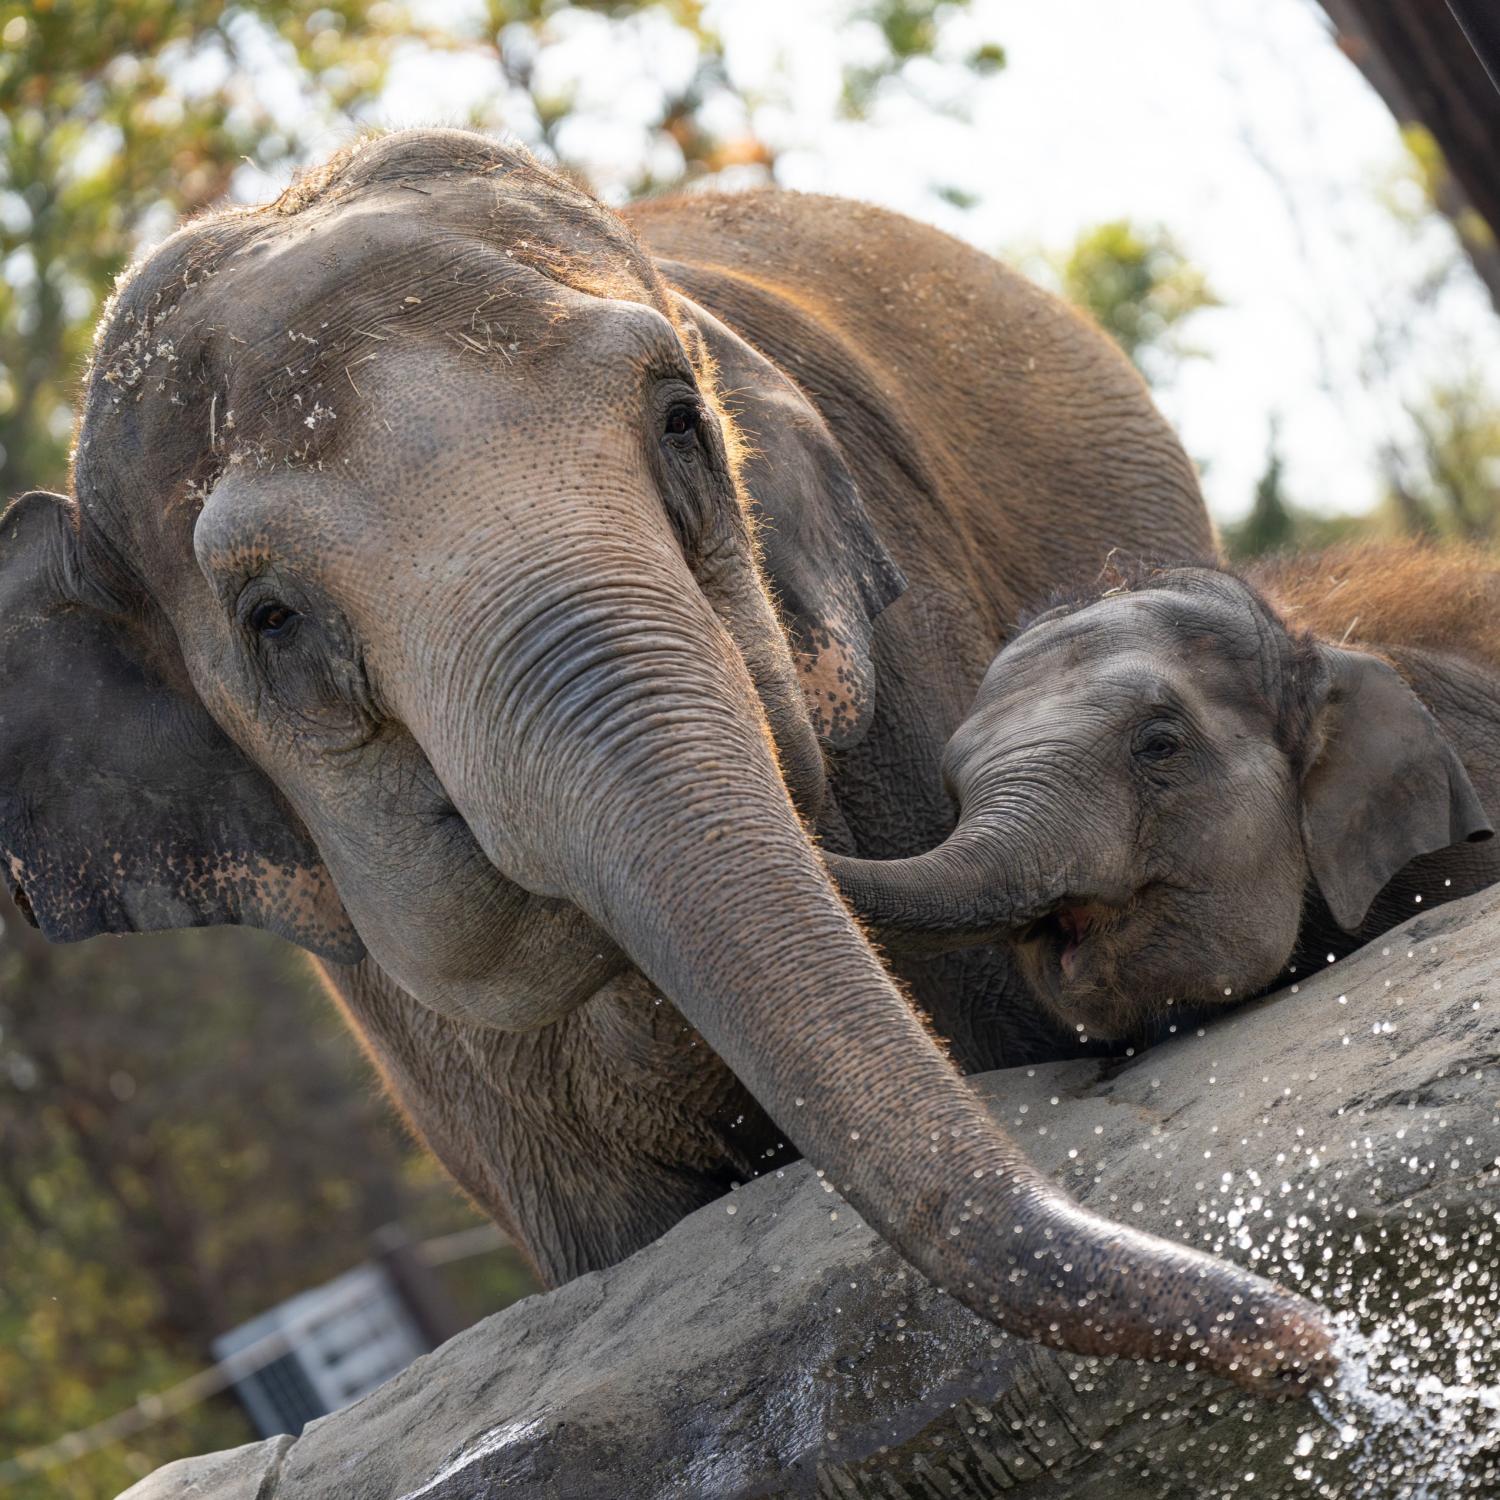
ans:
(1092, 1288)
(1266, 1340)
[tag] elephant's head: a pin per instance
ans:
(410, 602)
(1149, 780)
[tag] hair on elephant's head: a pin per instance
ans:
(1150, 780)
(409, 601)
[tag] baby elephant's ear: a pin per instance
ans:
(123, 806)
(830, 571)
(1386, 787)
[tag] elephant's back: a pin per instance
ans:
(1003, 444)
(1407, 593)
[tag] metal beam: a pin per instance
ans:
(1480, 20)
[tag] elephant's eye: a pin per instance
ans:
(682, 424)
(273, 620)
(1156, 745)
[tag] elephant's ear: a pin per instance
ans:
(831, 573)
(1386, 786)
(123, 806)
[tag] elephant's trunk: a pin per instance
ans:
(966, 890)
(987, 878)
(632, 771)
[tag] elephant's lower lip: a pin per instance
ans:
(1064, 932)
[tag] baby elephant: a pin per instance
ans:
(1176, 785)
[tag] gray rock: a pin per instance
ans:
(248, 1473)
(1342, 1136)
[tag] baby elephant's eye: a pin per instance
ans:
(273, 620)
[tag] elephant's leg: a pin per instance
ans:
(892, 802)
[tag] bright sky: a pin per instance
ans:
(1247, 132)
(1242, 128)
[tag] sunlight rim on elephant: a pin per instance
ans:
(583, 757)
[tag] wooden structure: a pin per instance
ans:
(1438, 65)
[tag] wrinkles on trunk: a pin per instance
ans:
(988, 878)
(643, 784)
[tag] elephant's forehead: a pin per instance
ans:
(278, 360)
(1161, 620)
(428, 235)
(247, 335)
(371, 260)
(281, 306)
(1212, 638)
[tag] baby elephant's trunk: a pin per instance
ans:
(979, 884)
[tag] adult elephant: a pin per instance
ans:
(488, 599)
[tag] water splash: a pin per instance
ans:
(1415, 1414)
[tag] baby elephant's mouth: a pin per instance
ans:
(1063, 932)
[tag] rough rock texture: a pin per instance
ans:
(1342, 1134)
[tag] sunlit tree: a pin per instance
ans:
(1140, 287)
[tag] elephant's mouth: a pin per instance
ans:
(1061, 938)
(1070, 957)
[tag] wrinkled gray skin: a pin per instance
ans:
(1167, 797)
(410, 608)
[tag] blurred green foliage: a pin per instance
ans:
(1423, 168)
(188, 1138)
(1140, 288)
(1275, 523)
(1445, 486)
(909, 29)
(1451, 486)
(1440, 462)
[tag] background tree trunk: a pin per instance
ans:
(1417, 57)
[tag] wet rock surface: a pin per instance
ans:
(1342, 1137)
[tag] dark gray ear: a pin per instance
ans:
(123, 806)
(1385, 788)
(831, 574)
